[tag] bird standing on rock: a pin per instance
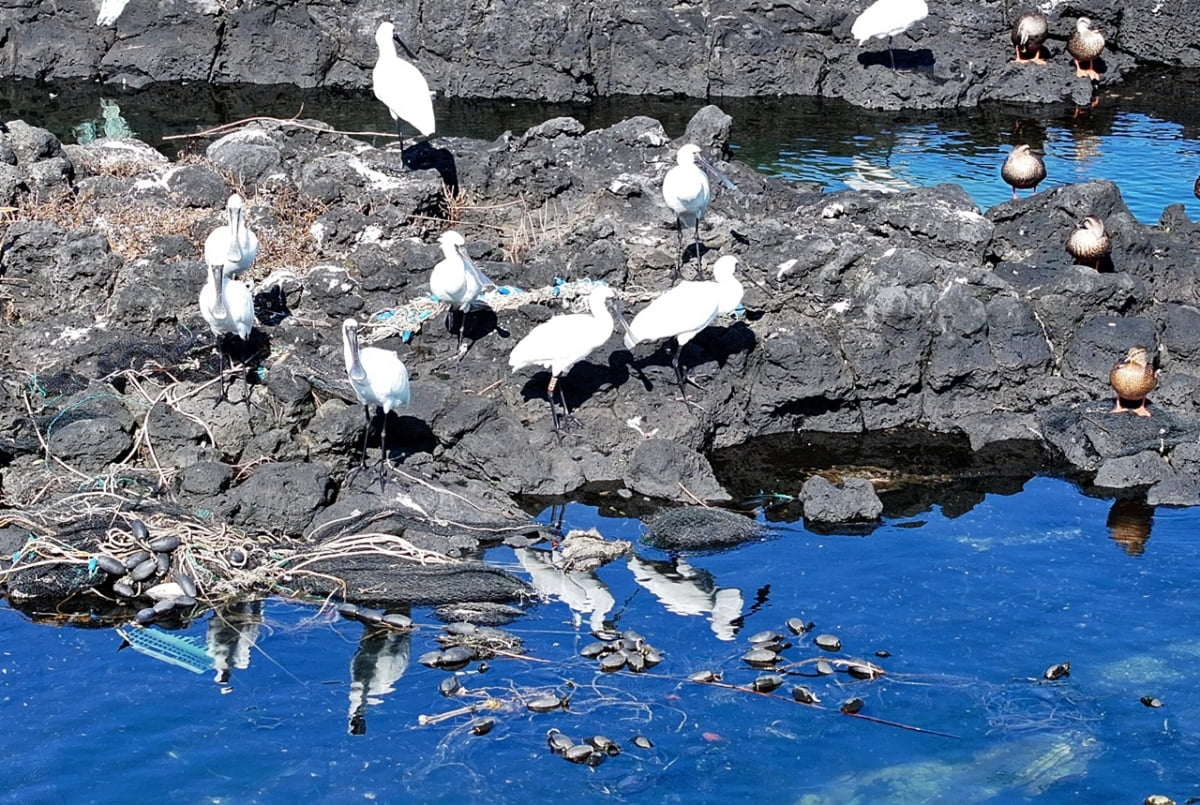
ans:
(1089, 243)
(687, 192)
(1085, 46)
(228, 307)
(233, 246)
(1028, 34)
(456, 281)
(1132, 379)
(888, 18)
(1023, 169)
(400, 86)
(685, 310)
(379, 378)
(563, 341)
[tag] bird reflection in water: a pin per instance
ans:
(686, 590)
(581, 590)
(232, 632)
(1129, 524)
(381, 659)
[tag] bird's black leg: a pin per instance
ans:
(366, 435)
(553, 411)
(400, 135)
(462, 326)
(678, 247)
(696, 245)
(567, 418)
(681, 376)
(383, 454)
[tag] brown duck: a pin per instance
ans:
(1132, 379)
(1089, 243)
(1028, 34)
(1196, 187)
(1022, 168)
(1084, 46)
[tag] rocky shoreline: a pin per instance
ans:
(870, 312)
(959, 56)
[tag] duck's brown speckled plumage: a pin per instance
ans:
(1196, 187)
(1028, 34)
(1132, 379)
(1023, 169)
(1084, 46)
(1089, 243)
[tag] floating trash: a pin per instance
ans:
(604, 744)
(642, 742)
(482, 726)
(1058, 671)
(1151, 701)
(851, 706)
(804, 695)
(827, 642)
(170, 648)
(558, 742)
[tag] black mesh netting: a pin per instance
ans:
(699, 528)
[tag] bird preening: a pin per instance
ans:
(1023, 169)
(1133, 379)
(233, 246)
(1028, 33)
(1089, 243)
(400, 86)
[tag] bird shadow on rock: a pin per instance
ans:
(905, 59)
(271, 306)
(424, 155)
(713, 344)
(482, 321)
(581, 383)
(406, 435)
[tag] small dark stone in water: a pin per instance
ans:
(579, 753)
(1150, 701)
(642, 742)
(462, 628)
(124, 589)
(482, 726)
(612, 662)
(111, 565)
(431, 659)
(396, 620)
(594, 650)
(186, 584)
(449, 686)
(704, 676)
(827, 642)
(767, 683)
(1057, 671)
(604, 744)
(859, 671)
(165, 544)
(348, 611)
(456, 657)
(139, 530)
(882, 654)
(546, 704)
(144, 570)
(370, 616)
(760, 658)
(766, 637)
(797, 626)
(135, 559)
(824, 668)
(558, 742)
(804, 695)
(852, 706)
(145, 616)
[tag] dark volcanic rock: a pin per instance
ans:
(853, 500)
(958, 56)
(281, 498)
(660, 468)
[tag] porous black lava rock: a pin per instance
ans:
(959, 55)
(851, 501)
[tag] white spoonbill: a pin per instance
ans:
(400, 85)
(456, 281)
(228, 307)
(888, 18)
(687, 192)
(685, 310)
(563, 341)
(379, 378)
(234, 245)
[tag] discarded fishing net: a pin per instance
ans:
(699, 528)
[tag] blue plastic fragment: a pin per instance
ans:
(424, 314)
(406, 336)
(382, 315)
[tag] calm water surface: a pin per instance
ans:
(971, 610)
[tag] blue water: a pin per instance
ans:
(971, 610)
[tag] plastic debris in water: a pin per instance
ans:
(170, 648)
